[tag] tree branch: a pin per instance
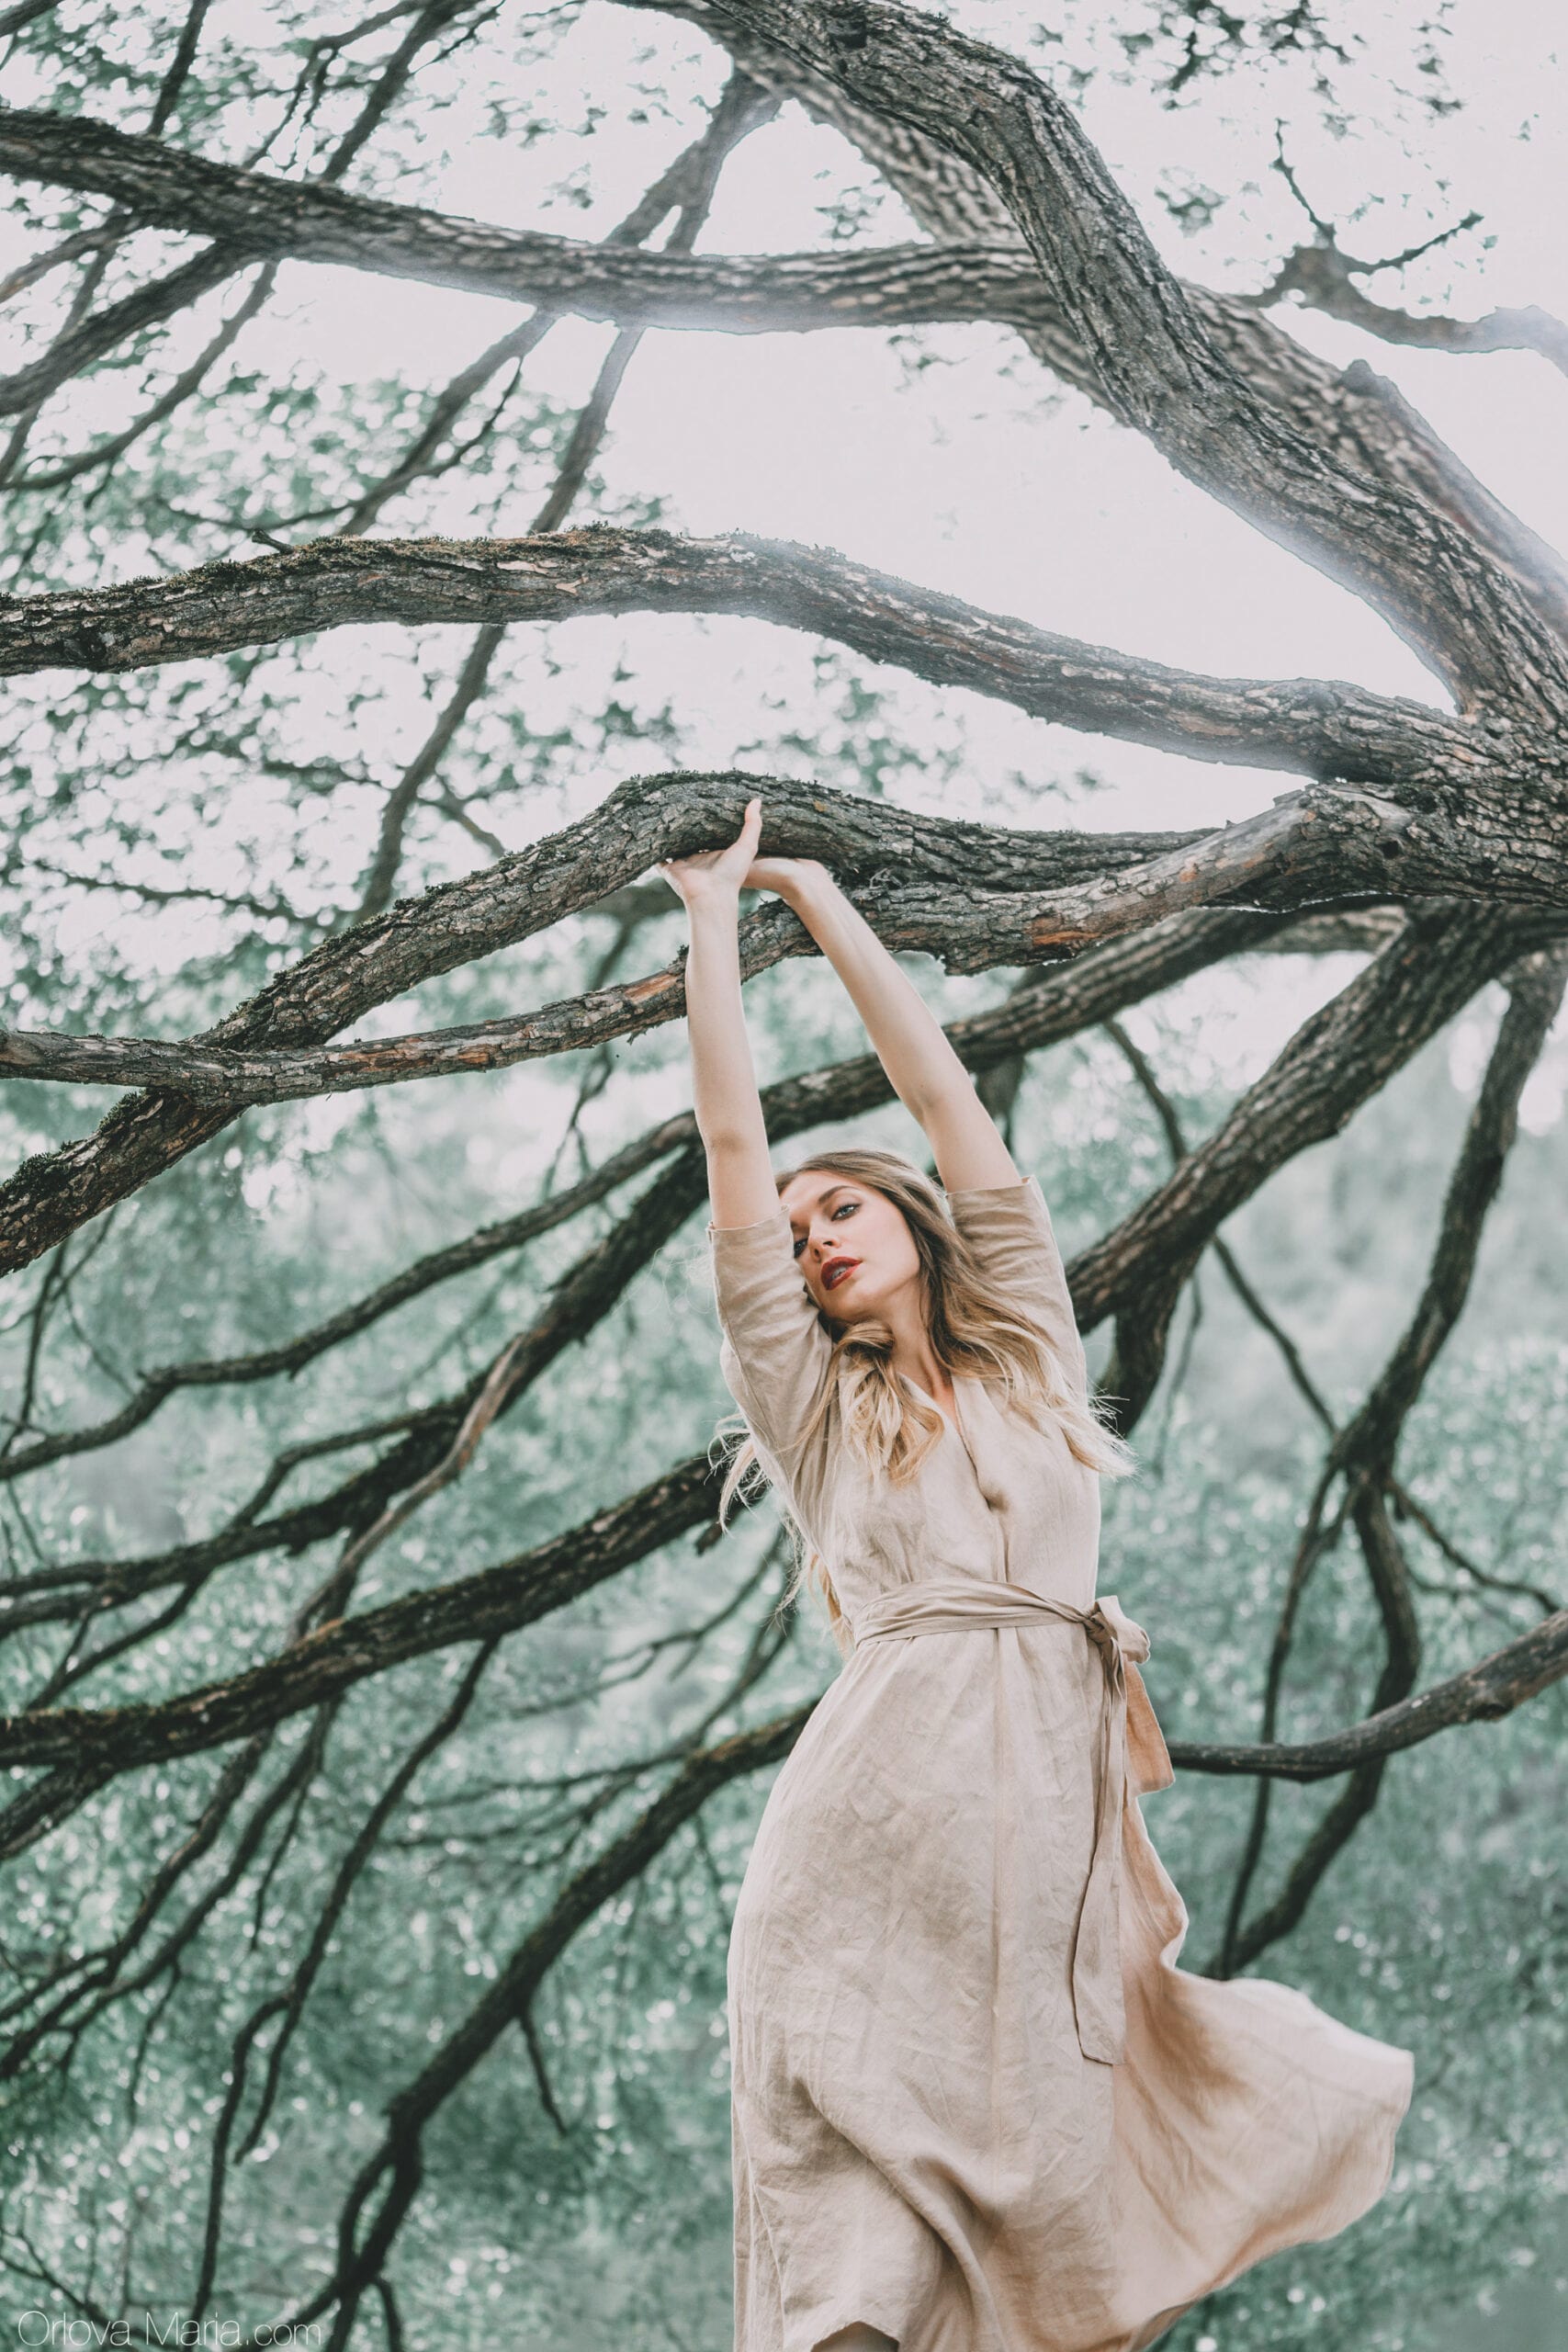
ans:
(1046, 1010)
(1312, 725)
(1362, 1453)
(980, 269)
(641, 823)
(1158, 368)
(1483, 1693)
(1355, 416)
(1325, 278)
(1310, 848)
(260, 215)
(1336, 1062)
(482, 1607)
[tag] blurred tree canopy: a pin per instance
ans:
(387, 1720)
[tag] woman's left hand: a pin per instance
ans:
(718, 873)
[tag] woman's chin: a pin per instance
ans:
(848, 1310)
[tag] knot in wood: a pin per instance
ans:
(848, 26)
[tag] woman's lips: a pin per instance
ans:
(835, 1271)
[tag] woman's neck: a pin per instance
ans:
(914, 1358)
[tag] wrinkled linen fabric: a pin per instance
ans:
(975, 2103)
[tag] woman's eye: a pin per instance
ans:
(846, 1208)
(799, 1245)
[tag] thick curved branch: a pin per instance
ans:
(1042, 1013)
(1158, 368)
(647, 821)
(260, 215)
(641, 823)
(1310, 848)
(980, 269)
(1358, 418)
(478, 1608)
(1336, 1062)
(1313, 726)
(522, 894)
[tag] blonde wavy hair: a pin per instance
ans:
(977, 1331)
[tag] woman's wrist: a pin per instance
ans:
(717, 901)
(811, 889)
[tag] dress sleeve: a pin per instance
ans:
(1008, 1228)
(775, 1356)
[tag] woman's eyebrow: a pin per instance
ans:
(842, 1186)
(828, 1193)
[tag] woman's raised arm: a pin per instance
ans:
(724, 1082)
(926, 1074)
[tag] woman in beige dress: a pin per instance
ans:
(976, 2106)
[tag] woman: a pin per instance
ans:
(976, 2107)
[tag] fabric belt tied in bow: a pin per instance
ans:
(1133, 1757)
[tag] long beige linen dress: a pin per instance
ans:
(975, 2103)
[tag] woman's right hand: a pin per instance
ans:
(715, 873)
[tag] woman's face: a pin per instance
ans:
(852, 1245)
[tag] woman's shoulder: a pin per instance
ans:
(775, 1356)
(1009, 1231)
(977, 1207)
(1009, 1227)
(741, 1241)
